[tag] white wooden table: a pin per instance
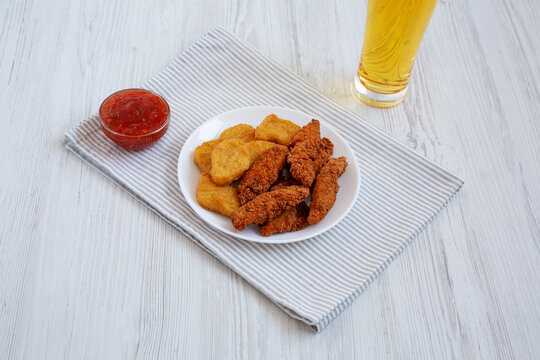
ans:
(88, 272)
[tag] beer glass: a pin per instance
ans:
(394, 30)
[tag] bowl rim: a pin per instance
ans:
(106, 127)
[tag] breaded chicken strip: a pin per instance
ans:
(292, 219)
(262, 174)
(325, 189)
(324, 151)
(283, 181)
(311, 133)
(307, 159)
(267, 206)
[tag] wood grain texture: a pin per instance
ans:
(88, 272)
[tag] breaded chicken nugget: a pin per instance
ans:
(256, 148)
(221, 199)
(276, 130)
(242, 132)
(292, 219)
(267, 206)
(203, 155)
(262, 174)
(229, 161)
(325, 189)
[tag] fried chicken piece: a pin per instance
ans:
(230, 160)
(325, 189)
(267, 206)
(311, 133)
(221, 199)
(256, 148)
(325, 150)
(292, 219)
(242, 132)
(262, 174)
(203, 155)
(307, 158)
(276, 130)
(283, 181)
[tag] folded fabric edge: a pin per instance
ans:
(347, 301)
(340, 107)
(77, 151)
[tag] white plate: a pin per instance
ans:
(188, 173)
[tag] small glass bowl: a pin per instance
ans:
(134, 142)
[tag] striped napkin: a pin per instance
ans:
(313, 280)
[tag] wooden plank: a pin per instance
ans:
(88, 272)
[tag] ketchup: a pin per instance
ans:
(134, 118)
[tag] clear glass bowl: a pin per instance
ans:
(139, 141)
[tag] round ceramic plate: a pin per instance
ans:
(188, 173)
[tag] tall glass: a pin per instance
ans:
(394, 30)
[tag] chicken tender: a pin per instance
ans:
(283, 181)
(242, 132)
(229, 161)
(325, 150)
(262, 174)
(325, 189)
(276, 130)
(256, 148)
(203, 155)
(292, 219)
(307, 158)
(267, 206)
(221, 199)
(311, 134)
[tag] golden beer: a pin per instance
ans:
(394, 30)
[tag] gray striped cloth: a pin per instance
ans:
(313, 280)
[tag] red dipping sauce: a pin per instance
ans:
(134, 118)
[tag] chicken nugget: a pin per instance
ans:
(203, 155)
(267, 206)
(262, 174)
(256, 148)
(242, 132)
(229, 161)
(292, 219)
(276, 130)
(221, 199)
(325, 189)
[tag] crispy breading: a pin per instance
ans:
(310, 133)
(307, 158)
(325, 150)
(300, 159)
(262, 174)
(242, 132)
(267, 206)
(283, 181)
(256, 147)
(203, 155)
(221, 199)
(292, 219)
(276, 130)
(229, 161)
(323, 195)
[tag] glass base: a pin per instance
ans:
(376, 99)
